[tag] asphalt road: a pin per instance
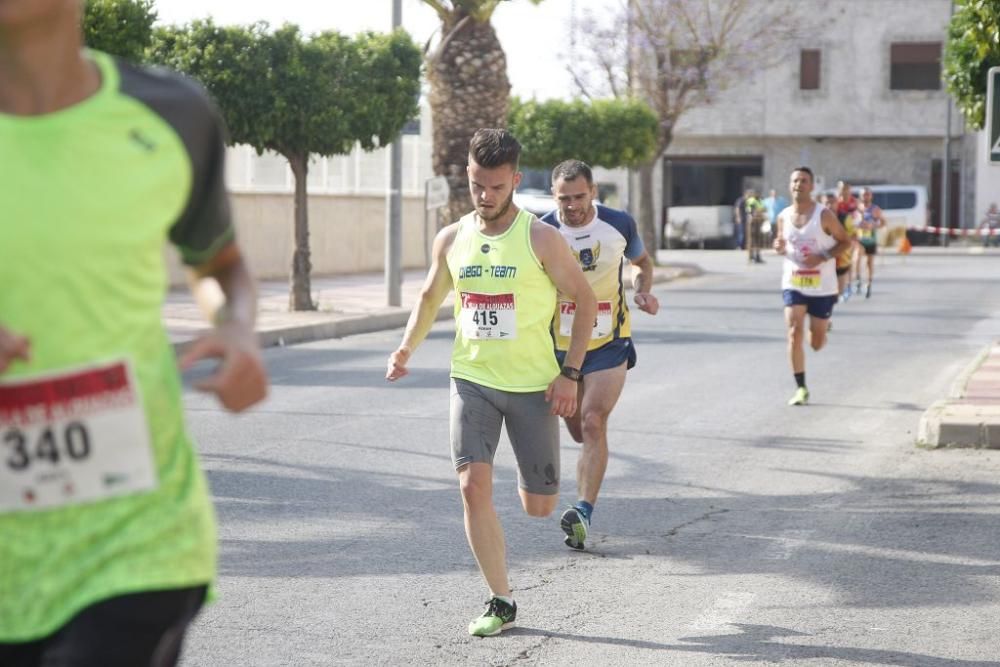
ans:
(731, 528)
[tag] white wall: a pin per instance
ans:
(346, 234)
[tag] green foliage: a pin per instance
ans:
(280, 91)
(607, 133)
(973, 47)
(120, 27)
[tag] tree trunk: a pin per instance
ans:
(647, 216)
(300, 296)
(469, 90)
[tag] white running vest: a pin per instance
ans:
(800, 243)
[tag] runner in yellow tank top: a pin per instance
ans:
(505, 267)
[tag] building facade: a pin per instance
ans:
(857, 97)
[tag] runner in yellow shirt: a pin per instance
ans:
(107, 536)
(505, 268)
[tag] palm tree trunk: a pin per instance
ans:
(300, 295)
(469, 90)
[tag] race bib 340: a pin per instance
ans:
(72, 437)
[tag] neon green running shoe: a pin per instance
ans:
(575, 525)
(801, 397)
(498, 616)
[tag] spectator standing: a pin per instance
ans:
(755, 213)
(990, 225)
(740, 219)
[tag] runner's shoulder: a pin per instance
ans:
(543, 233)
(620, 220)
(179, 99)
(445, 238)
(551, 218)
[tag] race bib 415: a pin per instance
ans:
(486, 316)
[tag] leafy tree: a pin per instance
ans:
(678, 55)
(120, 27)
(973, 47)
(609, 133)
(299, 97)
(467, 71)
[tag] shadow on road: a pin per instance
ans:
(756, 643)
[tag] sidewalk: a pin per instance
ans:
(348, 305)
(970, 417)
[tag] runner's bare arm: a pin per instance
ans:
(558, 261)
(436, 287)
(12, 347)
(225, 289)
(642, 283)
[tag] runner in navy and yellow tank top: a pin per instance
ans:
(868, 220)
(602, 239)
(505, 268)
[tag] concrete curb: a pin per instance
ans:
(957, 389)
(391, 319)
(948, 423)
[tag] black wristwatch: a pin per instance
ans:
(573, 374)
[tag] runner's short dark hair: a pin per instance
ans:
(570, 170)
(806, 170)
(493, 147)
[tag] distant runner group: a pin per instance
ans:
(525, 286)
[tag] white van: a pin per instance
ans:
(904, 206)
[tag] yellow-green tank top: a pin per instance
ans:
(504, 302)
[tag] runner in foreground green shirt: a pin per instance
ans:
(107, 536)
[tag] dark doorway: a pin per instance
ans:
(707, 180)
(954, 192)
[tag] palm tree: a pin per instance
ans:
(467, 71)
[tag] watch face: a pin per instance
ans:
(572, 373)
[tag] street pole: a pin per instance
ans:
(394, 204)
(946, 164)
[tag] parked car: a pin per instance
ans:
(534, 201)
(699, 227)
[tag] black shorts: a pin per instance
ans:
(610, 355)
(820, 307)
(135, 630)
(869, 248)
(841, 270)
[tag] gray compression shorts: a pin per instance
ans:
(477, 412)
